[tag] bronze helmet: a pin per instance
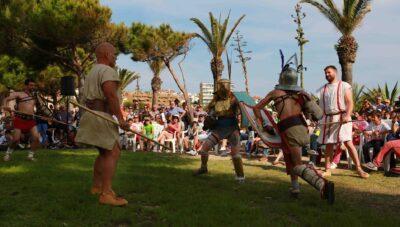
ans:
(288, 79)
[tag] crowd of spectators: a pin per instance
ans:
(374, 125)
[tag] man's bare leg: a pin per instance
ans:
(35, 143)
(209, 143)
(97, 176)
(109, 161)
(354, 156)
(328, 157)
(15, 138)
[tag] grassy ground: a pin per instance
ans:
(54, 191)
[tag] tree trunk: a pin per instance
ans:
(347, 52)
(156, 83)
(302, 68)
(347, 72)
(217, 66)
(182, 89)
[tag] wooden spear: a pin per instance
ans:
(41, 117)
(115, 122)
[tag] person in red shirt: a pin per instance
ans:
(172, 129)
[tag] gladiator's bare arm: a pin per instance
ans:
(261, 105)
(110, 92)
(8, 99)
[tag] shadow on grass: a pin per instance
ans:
(162, 191)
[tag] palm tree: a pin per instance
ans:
(385, 92)
(216, 40)
(346, 22)
(126, 77)
(156, 67)
(357, 94)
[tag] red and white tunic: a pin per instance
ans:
(333, 104)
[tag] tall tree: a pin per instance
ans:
(346, 22)
(216, 38)
(126, 77)
(239, 48)
(151, 44)
(140, 45)
(62, 32)
(301, 40)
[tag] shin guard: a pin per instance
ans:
(310, 176)
(204, 160)
(238, 165)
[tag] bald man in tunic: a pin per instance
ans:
(101, 93)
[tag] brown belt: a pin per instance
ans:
(98, 105)
(290, 122)
(333, 114)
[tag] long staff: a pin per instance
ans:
(39, 116)
(115, 123)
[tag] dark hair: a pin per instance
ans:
(377, 113)
(330, 67)
(27, 81)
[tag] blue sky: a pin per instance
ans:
(268, 27)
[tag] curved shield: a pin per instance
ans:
(269, 137)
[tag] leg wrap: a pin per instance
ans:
(9, 150)
(310, 176)
(238, 165)
(204, 161)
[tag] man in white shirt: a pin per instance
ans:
(376, 131)
(336, 101)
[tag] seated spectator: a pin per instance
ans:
(395, 132)
(192, 135)
(154, 112)
(173, 128)
(137, 126)
(148, 131)
(376, 131)
(366, 107)
(158, 125)
(393, 145)
(199, 111)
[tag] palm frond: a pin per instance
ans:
(363, 7)
(223, 28)
(204, 30)
(126, 77)
(326, 12)
(233, 29)
(387, 93)
(348, 7)
(394, 93)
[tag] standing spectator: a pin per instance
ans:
(154, 111)
(175, 110)
(378, 104)
(42, 127)
(145, 112)
(376, 130)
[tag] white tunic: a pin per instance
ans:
(332, 102)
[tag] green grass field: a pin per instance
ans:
(54, 191)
